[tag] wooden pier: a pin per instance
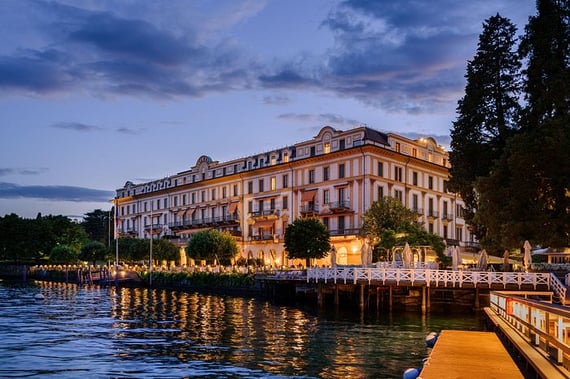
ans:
(473, 355)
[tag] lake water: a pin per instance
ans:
(108, 332)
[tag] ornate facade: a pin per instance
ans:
(334, 176)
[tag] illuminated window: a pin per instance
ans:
(327, 148)
(273, 183)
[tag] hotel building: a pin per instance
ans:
(335, 177)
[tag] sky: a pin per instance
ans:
(94, 93)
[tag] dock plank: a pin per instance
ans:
(469, 355)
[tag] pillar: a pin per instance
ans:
(320, 296)
(477, 299)
(336, 298)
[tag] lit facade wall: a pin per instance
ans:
(335, 177)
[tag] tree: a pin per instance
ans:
(526, 196)
(212, 244)
(392, 224)
(488, 112)
(387, 214)
(307, 238)
(93, 251)
(64, 254)
(97, 226)
(164, 250)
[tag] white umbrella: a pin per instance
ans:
(482, 261)
(506, 260)
(527, 258)
(407, 256)
(333, 256)
(364, 253)
(455, 258)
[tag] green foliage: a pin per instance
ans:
(97, 225)
(307, 238)
(387, 214)
(488, 113)
(164, 250)
(93, 251)
(212, 244)
(64, 254)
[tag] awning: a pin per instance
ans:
(264, 224)
(233, 207)
(181, 213)
(308, 195)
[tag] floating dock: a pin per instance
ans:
(469, 355)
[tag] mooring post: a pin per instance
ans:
(390, 298)
(477, 299)
(362, 297)
(336, 297)
(320, 296)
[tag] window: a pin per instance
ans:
(213, 194)
(327, 148)
(250, 187)
(326, 173)
(193, 197)
(430, 182)
(311, 176)
(341, 193)
(326, 196)
(446, 186)
(398, 195)
(430, 227)
(175, 201)
(430, 208)
(445, 210)
(341, 224)
(235, 189)
(397, 147)
(260, 205)
(272, 204)
(224, 192)
(285, 202)
(341, 144)
(341, 170)
(250, 206)
(312, 151)
(415, 207)
(459, 234)
(285, 181)
(203, 196)
(381, 169)
(414, 152)
(398, 174)
(273, 183)
(261, 185)
(285, 157)
(415, 178)
(326, 222)
(380, 191)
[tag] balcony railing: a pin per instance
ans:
(309, 208)
(339, 206)
(227, 219)
(432, 213)
(447, 216)
(262, 237)
(419, 211)
(153, 226)
(345, 232)
(266, 213)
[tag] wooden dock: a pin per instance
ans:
(469, 355)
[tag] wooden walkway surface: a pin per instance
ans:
(469, 355)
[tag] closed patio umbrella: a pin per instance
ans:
(455, 258)
(407, 256)
(527, 258)
(482, 261)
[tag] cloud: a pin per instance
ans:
(129, 131)
(76, 126)
(323, 118)
(22, 171)
(401, 56)
(276, 100)
(57, 193)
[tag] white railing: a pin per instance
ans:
(437, 278)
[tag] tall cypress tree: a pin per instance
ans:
(487, 114)
(527, 195)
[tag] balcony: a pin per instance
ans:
(263, 237)
(418, 211)
(308, 210)
(447, 216)
(432, 213)
(339, 206)
(267, 214)
(345, 232)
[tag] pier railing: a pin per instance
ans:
(545, 326)
(438, 278)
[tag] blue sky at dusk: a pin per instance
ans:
(94, 93)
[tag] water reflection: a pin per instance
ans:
(125, 332)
